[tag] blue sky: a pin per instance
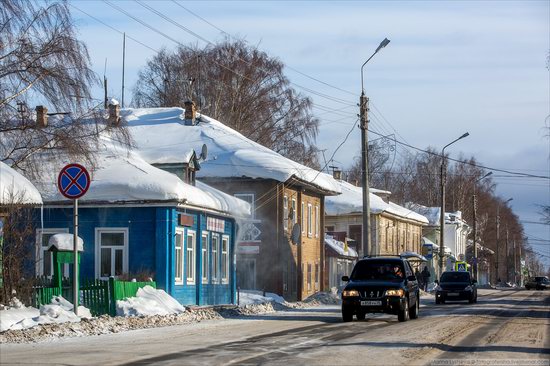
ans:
(451, 67)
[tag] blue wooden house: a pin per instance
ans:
(138, 219)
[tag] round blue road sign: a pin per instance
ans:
(73, 181)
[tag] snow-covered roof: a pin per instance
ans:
(65, 241)
(413, 256)
(339, 247)
(428, 241)
(161, 136)
(15, 188)
(124, 176)
(351, 201)
(431, 213)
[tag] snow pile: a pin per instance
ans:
(149, 301)
(162, 136)
(18, 316)
(250, 297)
(351, 201)
(64, 241)
(339, 247)
(15, 188)
(324, 298)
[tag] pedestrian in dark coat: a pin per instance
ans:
(425, 278)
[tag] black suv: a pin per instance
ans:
(381, 285)
(455, 285)
(537, 283)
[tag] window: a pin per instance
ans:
(248, 197)
(225, 259)
(178, 256)
(204, 256)
(329, 228)
(303, 215)
(190, 257)
(294, 212)
(309, 220)
(309, 277)
(285, 212)
(317, 221)
(316, 276)
(44, 258)
(111, 251)
(215, 259)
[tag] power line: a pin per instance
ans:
(464, 162)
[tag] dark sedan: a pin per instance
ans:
(454, 286)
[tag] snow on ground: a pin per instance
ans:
(249, 297)
(149, 301)
(18, 316)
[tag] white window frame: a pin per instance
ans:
(309, 220)
(285, 212)
(181, 233)
(224, 260)
(205, 254)
(294, 207)
(250, 198)
(40, 251)
(125, 249)
(317, 221)
(303, 217)
(190, 257)
(215, 277)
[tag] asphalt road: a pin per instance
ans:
(508, 327)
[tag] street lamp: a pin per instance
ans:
(442, 214)
(474, 204)
(363, 109)
(498, 236)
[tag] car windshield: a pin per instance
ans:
(455, 277)
(378, 271)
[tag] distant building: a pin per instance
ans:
(395, 229)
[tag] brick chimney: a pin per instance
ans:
(41, 116)
(190, 113)
(114, 112)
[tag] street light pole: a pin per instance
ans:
(442, 213)
(363, 110)
(474, 203)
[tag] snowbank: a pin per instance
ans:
(162, 137)
(18, 316)
(149, 301)
(250, 297)
(15, 188)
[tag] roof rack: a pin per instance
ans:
(383, 255)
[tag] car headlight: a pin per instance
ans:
(468, 288)
(350, 293)
(398, 292)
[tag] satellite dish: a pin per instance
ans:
(296, 236)
(204, 152)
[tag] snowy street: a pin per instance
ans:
(508, 326)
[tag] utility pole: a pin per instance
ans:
(123, 62)
(498, 237)
(515, 261)
(368, 248)
(507, 266)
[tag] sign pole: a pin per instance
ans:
(75, 257)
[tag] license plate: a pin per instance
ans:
(371, 303)
(453, 294)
